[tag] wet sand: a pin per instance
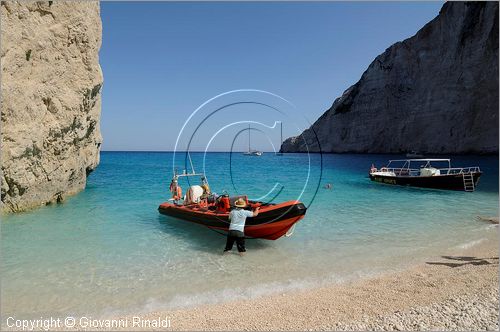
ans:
(455, 291)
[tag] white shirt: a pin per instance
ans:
(238, 218)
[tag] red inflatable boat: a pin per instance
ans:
(272, 222)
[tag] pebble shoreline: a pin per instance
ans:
(478, 312)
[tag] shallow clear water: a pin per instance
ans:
(108, 251)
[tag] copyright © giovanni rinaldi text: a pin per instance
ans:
(79, 323)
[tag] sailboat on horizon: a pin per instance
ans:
(279, 153)
(251, 152)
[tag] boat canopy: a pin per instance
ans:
(447, 160)
(427, 162)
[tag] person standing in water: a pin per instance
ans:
(236, 233)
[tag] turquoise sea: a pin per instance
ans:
(107, 251)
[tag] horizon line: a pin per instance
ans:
(322, 152)
(180, 151)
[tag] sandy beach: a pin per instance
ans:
(455, 291)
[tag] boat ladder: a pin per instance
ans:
(468, 182)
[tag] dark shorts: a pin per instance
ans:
(238, 237)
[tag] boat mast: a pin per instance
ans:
(249, 138)
(281, 137)
(191, 162)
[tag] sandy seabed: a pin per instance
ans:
(455, 291)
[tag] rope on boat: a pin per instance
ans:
(291, 233)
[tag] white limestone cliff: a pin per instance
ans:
(436, 93)
(51, 100)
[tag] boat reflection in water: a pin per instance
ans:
(424, 173)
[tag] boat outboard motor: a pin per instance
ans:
(211, 199)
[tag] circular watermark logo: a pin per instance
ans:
(224, 122)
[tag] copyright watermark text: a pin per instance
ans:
(51, 323)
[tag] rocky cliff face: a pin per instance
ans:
(51, 84)
(436, 92)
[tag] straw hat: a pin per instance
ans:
(240, 203)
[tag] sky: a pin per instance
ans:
(162, 60)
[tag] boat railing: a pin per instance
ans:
(404, 171)
(460, 170)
